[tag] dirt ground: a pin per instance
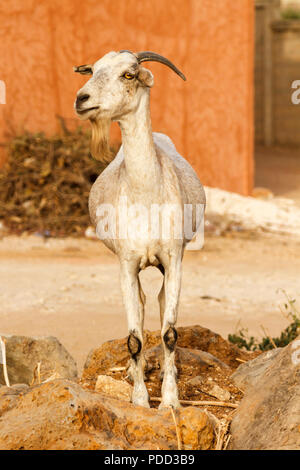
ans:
(69, 288)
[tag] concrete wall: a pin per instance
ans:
(209, 117)
(286, 69)
(266, 11)
(277, 66)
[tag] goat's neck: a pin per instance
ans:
(142, 167)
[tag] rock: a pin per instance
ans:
(250, 372)
(113, 388)
(196, 381)
(24, 353)
(10, 395)
(269, 414)
(189, 361)
(220, 393)
(195, 339)
(199, 338)
(19, 387)
(61, 415)
(191, 423)
(200, 352)
(274, 216)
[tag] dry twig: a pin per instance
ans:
(201, 403)
(176, 428)
(240, 360)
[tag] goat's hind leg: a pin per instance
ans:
(162, 302)
(133, 298)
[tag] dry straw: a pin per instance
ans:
(45, 182)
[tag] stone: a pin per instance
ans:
(249, 373)
(10, 395)
(195, 340)
(61, 415)
(196, 381)
(268, 416)
(192, 361)
(24, 353)
(219, 392)
(113, 388)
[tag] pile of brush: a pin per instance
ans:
(45, 183)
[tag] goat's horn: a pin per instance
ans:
(147, 56)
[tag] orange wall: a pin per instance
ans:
(209, 117)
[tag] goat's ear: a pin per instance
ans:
(84, 69)
(145, 77)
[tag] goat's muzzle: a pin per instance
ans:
(82, 98)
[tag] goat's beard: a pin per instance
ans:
(100, 147)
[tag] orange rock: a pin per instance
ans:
(62, 415)
(113, 388)
(201, 340)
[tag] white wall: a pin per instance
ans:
(290, 3)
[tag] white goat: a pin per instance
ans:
(146, 171)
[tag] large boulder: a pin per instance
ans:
(24, 353)
(196, 346)
(201, 354)
(250, 372)
(268, 417)
(61, 415)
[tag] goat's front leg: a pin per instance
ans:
(134, 305)
(172, 283)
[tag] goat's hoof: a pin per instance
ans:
(141, 402)
(167, 404)
(140, 398)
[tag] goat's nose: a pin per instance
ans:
(81, 99)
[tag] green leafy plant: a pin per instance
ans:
(290, 14)
(242, 339)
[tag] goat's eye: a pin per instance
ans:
(128, 75)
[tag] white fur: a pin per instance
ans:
(146, 170)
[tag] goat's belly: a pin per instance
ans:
(149, 253)
(145, 252)
(140, 234)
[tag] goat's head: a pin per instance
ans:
(115, 89)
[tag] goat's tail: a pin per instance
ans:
(100, 146)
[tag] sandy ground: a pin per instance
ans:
(70, 288)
